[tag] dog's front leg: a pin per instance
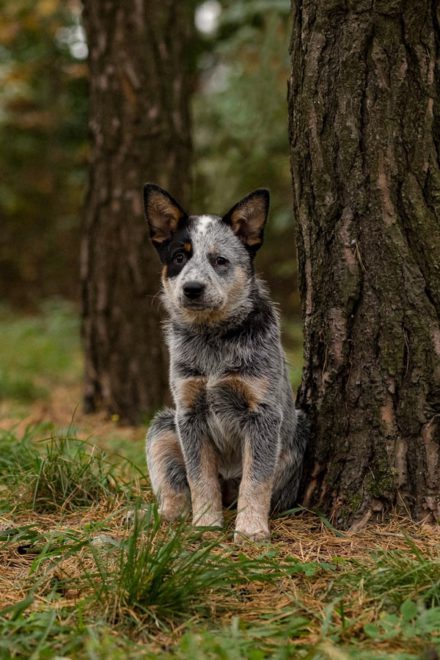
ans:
(201, 463)
(259, 454)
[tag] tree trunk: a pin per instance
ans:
(140, 131)
(364, 111)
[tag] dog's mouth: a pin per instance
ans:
(199, 306)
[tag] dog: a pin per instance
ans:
(234, 431)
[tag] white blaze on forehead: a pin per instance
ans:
(203, 223)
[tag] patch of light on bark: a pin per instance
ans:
(207, 16)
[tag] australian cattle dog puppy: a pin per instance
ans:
(234, 432)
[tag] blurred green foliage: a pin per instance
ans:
(239, 124)
(38, 352)
(43, 127)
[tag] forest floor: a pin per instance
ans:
(87, 570)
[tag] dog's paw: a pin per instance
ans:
(174, 506)
(170, 513)
(241, 537)
(251, 529)
(208, 519)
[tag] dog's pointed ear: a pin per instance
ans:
(162, 212)
(248, 217)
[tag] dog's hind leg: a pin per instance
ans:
(166, 466)
(289, 468)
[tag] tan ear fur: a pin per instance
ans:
(163, 213)
(248, 217)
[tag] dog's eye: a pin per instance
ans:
(179, 258)
(221, 261)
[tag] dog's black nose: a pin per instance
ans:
(193, 290)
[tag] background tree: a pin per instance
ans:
(140, 130)
(364, 112)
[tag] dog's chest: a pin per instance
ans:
(208, 357)
(208, 379)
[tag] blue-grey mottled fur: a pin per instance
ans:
(234, 405)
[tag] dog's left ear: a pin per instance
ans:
(248, 217)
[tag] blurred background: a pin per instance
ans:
(240, 70)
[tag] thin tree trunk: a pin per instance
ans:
(364, 110)
(140, 131)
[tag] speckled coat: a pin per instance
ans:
(234, 433)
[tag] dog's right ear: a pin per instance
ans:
(162, 212)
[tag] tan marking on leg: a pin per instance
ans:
(162, 449)
(206, 494)
(253, 390)
(253, 504)
(188, 390)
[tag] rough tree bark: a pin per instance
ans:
(364, 109)
(140, 131)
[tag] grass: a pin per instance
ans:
(79, 580)
(167, 574)
(57, 633)
(401, 575)
(58, 472)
